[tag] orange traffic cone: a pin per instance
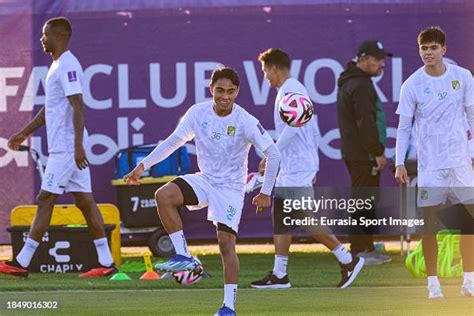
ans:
(149, 274)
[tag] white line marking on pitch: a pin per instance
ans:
(219, 289)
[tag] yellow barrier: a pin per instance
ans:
(23, 215)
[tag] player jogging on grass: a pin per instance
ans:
(299, 164)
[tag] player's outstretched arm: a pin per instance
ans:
(163, 150)
(184, 132)
(15, 140)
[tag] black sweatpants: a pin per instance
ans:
(364, 185)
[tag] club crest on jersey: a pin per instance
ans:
(424, 195)
(231, 130)
(455, 84)
(71, 76)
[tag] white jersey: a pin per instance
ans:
(438, 105)
(223, 143)
(301, 154)
(64, 79)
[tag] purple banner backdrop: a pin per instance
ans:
(146, 64)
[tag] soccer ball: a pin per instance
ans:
(189, 277)
(295, 109)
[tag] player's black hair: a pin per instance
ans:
(227, 73)
(276, 57)
(432, 34)
(61, 25)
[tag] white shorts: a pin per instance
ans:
(455, 184)
(297, 179)
(224, 204)
(62, 174)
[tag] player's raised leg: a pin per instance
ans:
(168, 199)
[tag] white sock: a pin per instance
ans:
(280, 265)
(179, 243)
(103, 252)
(230, 294)
(433, 281)
(27, 252)
(467, 278)
(342, 254)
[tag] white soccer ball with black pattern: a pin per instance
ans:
(296, 109)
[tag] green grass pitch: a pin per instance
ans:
(379, 290)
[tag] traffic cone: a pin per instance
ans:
(120, 276)
(149, 274)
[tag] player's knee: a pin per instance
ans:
(165, 197)
(226, 244)
(83, 202)
(45, 199)
(226, 248)
(160, 197)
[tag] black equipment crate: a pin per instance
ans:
(62, 248)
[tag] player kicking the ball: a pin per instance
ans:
(223, 133)
(295, 180)
(438, 97)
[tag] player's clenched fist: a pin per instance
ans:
(132, 177)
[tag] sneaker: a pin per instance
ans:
(468, 289)
(178, 263)
(100, 272)
(434, 291)
(373, 257)
(13, 268)
(270, 281)
(384, 258)
(225, 311)
(350, 271)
